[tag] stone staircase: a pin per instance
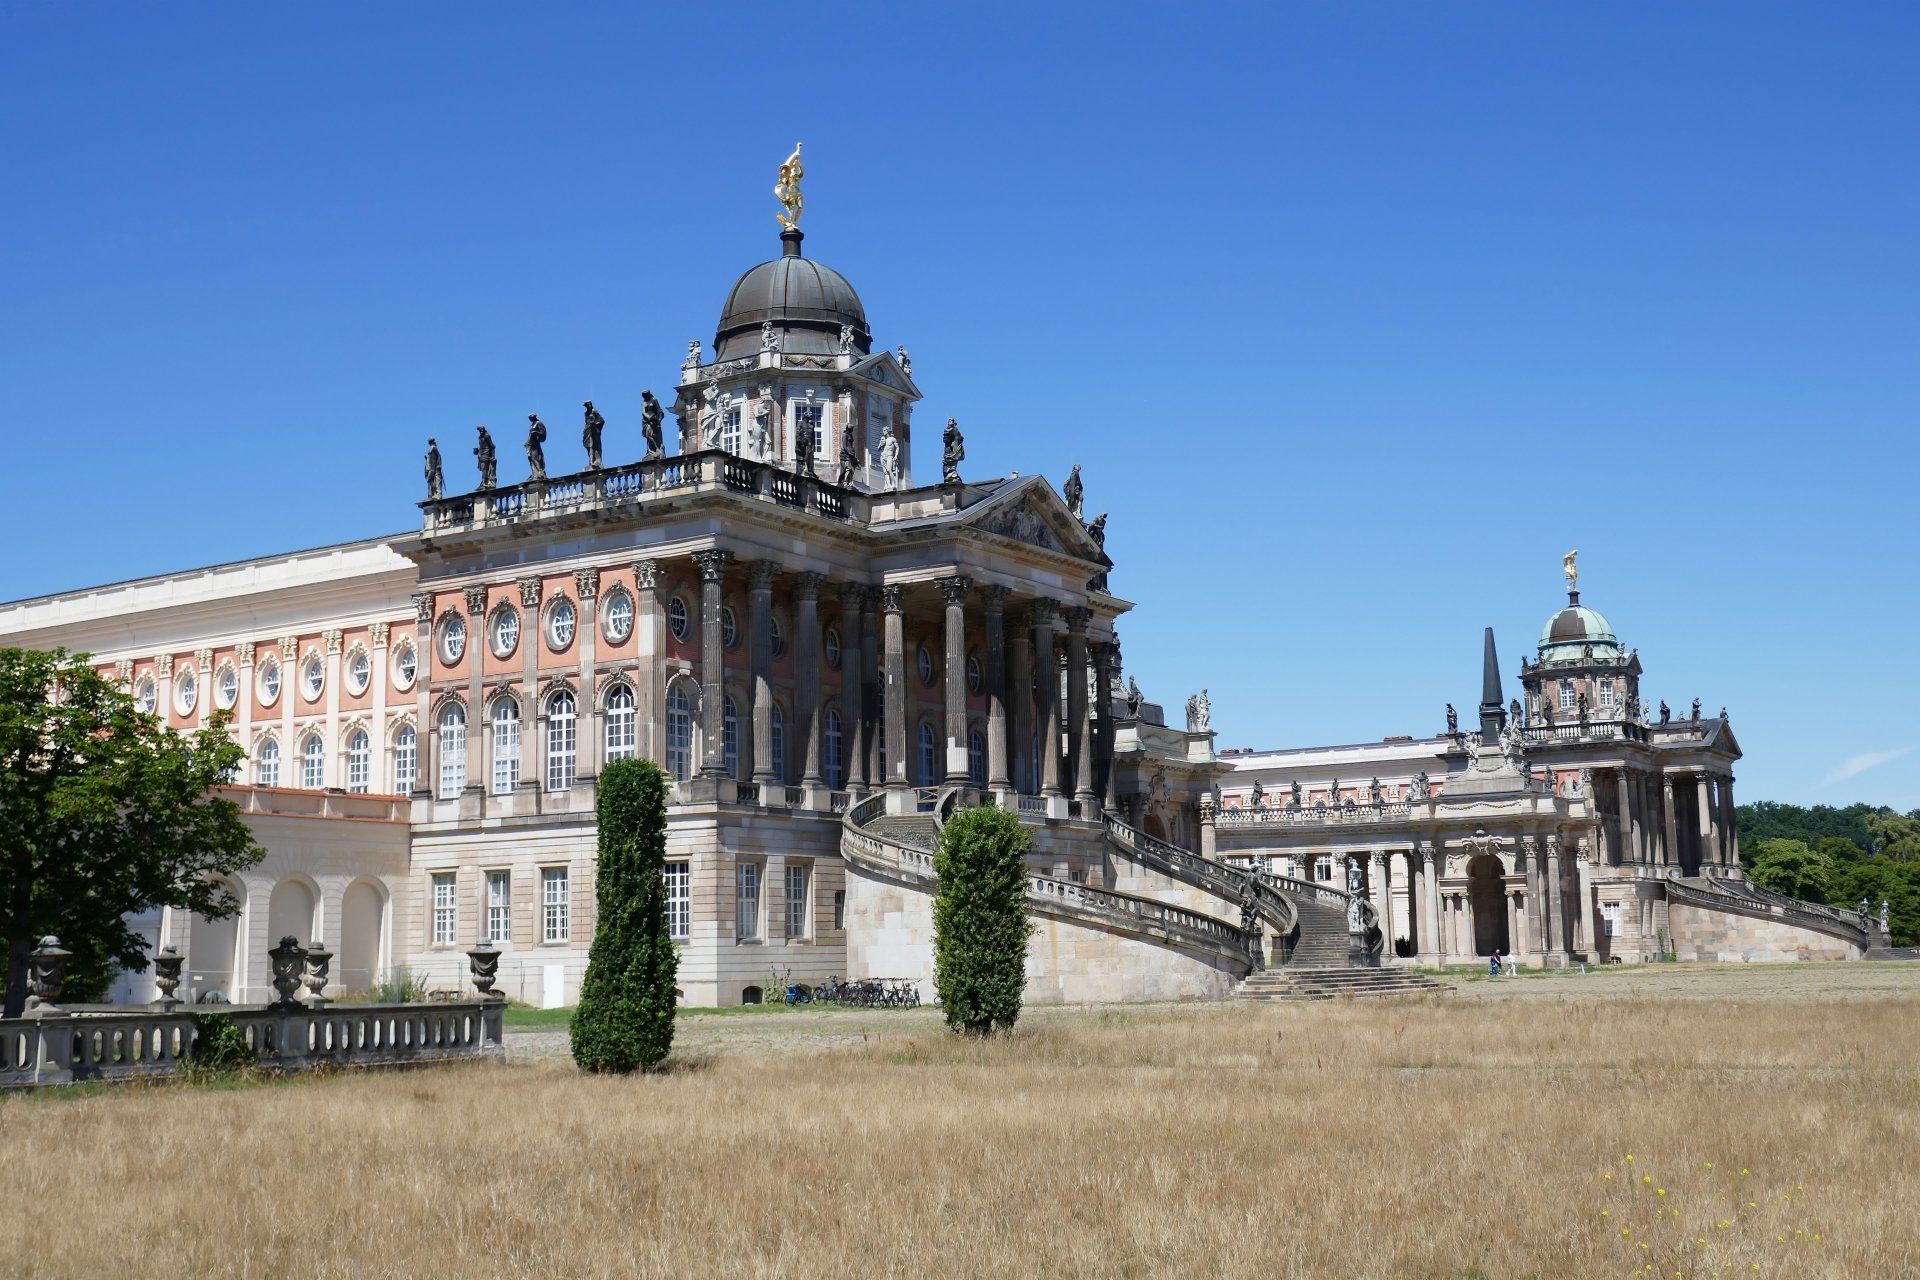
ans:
(1323, 941)
(1326, 984)
(914, 829)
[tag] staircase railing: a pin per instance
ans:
(1848, 926)
(1366, 940)
(1217, 878)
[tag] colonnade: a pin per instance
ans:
(1655, 822)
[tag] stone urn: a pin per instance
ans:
(319, 962)
(288, 961)
(483, 962)
(166, 977)
(46, 973)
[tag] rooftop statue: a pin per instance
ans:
(590, 436)
(846, 339)
(1513, 710)
(890, 461)
(1376, 793)
(1422, 786)
(1076, 494)
(768, 341)
(906, 361)
(803, 442)
(489, 463)
(1259, 797)
(1293, 793)
(710, 418)
(849, 455)
(435, 479)
(536, 450)
(1696, 711)
(652, 421)
(1453, 719)
(763, 424)
(1199, 712)
(1134, 697)
(1570, 565)
(1666, 713)
(953, 452)
(787, 190)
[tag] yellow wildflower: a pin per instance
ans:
(1606, 1177)
(1629, 1157)
(1646, 1177)
(1661, 1192)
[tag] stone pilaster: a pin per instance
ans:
(650, 661)
(1047, 694)
(713, 572)
(994, 618)
(426, 734)
(872, 694)
(760, 575)
(954, 591)
(1020, 699)
(853, 684)
(591, 740)
(807, 712)
(893, 610)
(1079, 724)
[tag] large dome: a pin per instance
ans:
(1570, 631)
(807, 302)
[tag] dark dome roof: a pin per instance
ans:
(1569, 631)
(807, 302)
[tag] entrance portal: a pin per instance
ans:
(1487, 899)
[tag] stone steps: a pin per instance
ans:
(1327, 984)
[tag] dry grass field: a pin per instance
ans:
(1757, 1122)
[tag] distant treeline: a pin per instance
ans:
(1838, 856)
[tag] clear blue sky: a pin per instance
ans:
(1357, 315)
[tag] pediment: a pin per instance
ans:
(885, 368)
(1034, 514)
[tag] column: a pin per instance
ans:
(590, 741)
(1380, 884)
(533, 716)
(163, 686)
(760, 576)
(1103, 771)
(1729, 824)
(379, 737)
(1555, 901)
(1623, 838)
(1020, 696)
(954, 591)
(1537, 912)
(871, 696)
(893, 622)
(331, 643)
(1704, 803)
(650, 662)
(426, 734)
(996, 677)
(1209, 835)
(853, 683)
(1584, 937)
(290, 695)
(713, 726)
(1047, 695)
(1430, 942)
(1079, 726)
(806, 675)
(1670, 827)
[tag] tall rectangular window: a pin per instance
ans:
(499, 903)
(445, 909)
(1606, 692)
(679, 899)
(406, 760)
(730, 431)
(506, 747)
(1566, 695)
(746, 901)
(799, 899)
(562, 742)
(839, 908)
(555, 902)
(453, 753)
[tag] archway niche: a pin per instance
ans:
(1487, 900)
(290, 912)
(360, 962)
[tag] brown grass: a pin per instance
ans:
(1444, 1137)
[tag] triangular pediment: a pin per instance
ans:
(885, 368)
(1030, 511)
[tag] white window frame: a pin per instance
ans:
(730, 418)
(406, 759)
(359, 762)
(678, 877)
(148, 695)
(503, 631)
(799, 901)
(679, 618)
(556, 904)
(313, 677)
(803, 411)
(499, 907)
(1568, 698)
(313, 762)
(444, 891)
(562, 617)
(453, 638)
(452, 750)
(729, 628)
(266, 766)
(563, 741)
(747, 900)
(359, 672)
(834, 746)
(186, 692)
(680, 717)
(976, 675)
(616, 616)
(226, 688)
(1606, 691)
(406, 665)
(503, 745)
(622, 724)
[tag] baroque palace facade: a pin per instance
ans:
(826, 657)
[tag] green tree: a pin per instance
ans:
(980, 925)
(625, 1019)
(1895, 835)
(1790, 867)
(104, 813)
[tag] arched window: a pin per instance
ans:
(359, 762)
(505, 745)
(562, 619)
(227, 687)
(679, 731)
(923, 659)
(836, 770)
(729, 627)
(620, 723)
(779, 736)
(453, 751)
(186, 691)
(730, 736)
(929, 755)
(266, 768)
(562, 741)
(677, 620)
(149, 695)
(406, 760)
(975, 674)
(313, 762)
(833, 648)
(617, 616)
(778, 635)
(313, 677)
(977, 758)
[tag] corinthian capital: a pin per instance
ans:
(955, 589)
(712, 564)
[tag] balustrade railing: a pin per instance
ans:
(1590, 731)
(1319, 816)
(1710, 893)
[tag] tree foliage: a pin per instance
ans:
(625, 1019)
(1861, 853)
(104, 813)
(980, 925)
(1789, 867)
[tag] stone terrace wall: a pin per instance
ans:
(1701, 934)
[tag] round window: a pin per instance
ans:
(269, 681)
(359, 671)
(149, 695)
(833, 648)
(779, 636)
(505, 633)
(186, 692)
(313, 677)
(619, 617)
(226, 687)
(677, 618)
(729, 627)
(974, 676)
(560, 623)
(453, 638)
(406, 665)
(925, 660)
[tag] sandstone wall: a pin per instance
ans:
(1701, 934)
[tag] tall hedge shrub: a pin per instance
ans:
(625, 1018)
(980, 925)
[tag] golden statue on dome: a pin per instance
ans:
(787, 190)
(1570, 565)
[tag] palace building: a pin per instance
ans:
(827, 654)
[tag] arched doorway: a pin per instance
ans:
(360, 964)
(1487, 899)
(1154, 827)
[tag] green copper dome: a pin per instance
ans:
(1569, 632)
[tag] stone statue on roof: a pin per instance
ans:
(435, 478)
(1076, 494)
(652, 421)
(787, 190)
(849, 455)
(484, 455)
(536, 448)
(890, 460)
(953, 451)
(590, 435)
